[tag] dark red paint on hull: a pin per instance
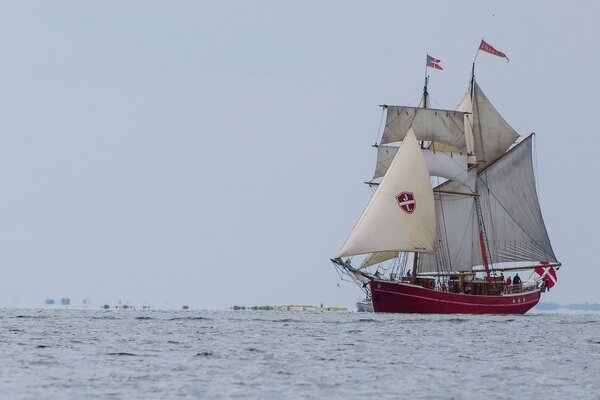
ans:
(390, 297)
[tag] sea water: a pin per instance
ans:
(118, 354)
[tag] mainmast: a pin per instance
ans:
(482, 240)
(482, 237)
(472, 79)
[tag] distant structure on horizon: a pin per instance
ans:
(572, 307)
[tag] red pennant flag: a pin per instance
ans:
(489, 49)
(433, 62)
(548, 274)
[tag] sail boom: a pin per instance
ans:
(522, 268)
(455, 193)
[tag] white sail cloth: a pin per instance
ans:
(456, 227)
(376, 258)
(401, 214)
(512, 218)
(440, 163)
(467, 107)
(444, 126)
(490, 133)
(511, 212)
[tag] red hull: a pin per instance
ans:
(393, 297)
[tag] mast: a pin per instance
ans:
(482, 240)
(482, 237)
(472, 78)
(413, 277)
(472, 95)
(425, 93)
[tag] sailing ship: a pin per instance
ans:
(454, 208)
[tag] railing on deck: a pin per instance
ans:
(520, 287)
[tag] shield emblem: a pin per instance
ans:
(406, 201)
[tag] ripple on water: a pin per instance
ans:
(258, 355)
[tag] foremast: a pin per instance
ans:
(413, 277)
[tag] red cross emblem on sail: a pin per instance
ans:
(406, 201)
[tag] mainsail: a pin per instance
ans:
(511, 214)
(510, 208)
(401, 214)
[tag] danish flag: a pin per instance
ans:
(548, 274)
(433, 62)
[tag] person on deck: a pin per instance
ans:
(508, 285)
(517, 282)
(517, 279)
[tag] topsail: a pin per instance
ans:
(444, 126)
(491, 134)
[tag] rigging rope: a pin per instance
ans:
(511, 217)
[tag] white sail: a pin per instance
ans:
(401, 214)
(376, 258)
(514, 226)
(467, 107)
(444, 126)
(492, 135)
(511, 212)
(446, 165)
(385, 155)
(457, 248)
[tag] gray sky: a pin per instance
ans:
(213, 153)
